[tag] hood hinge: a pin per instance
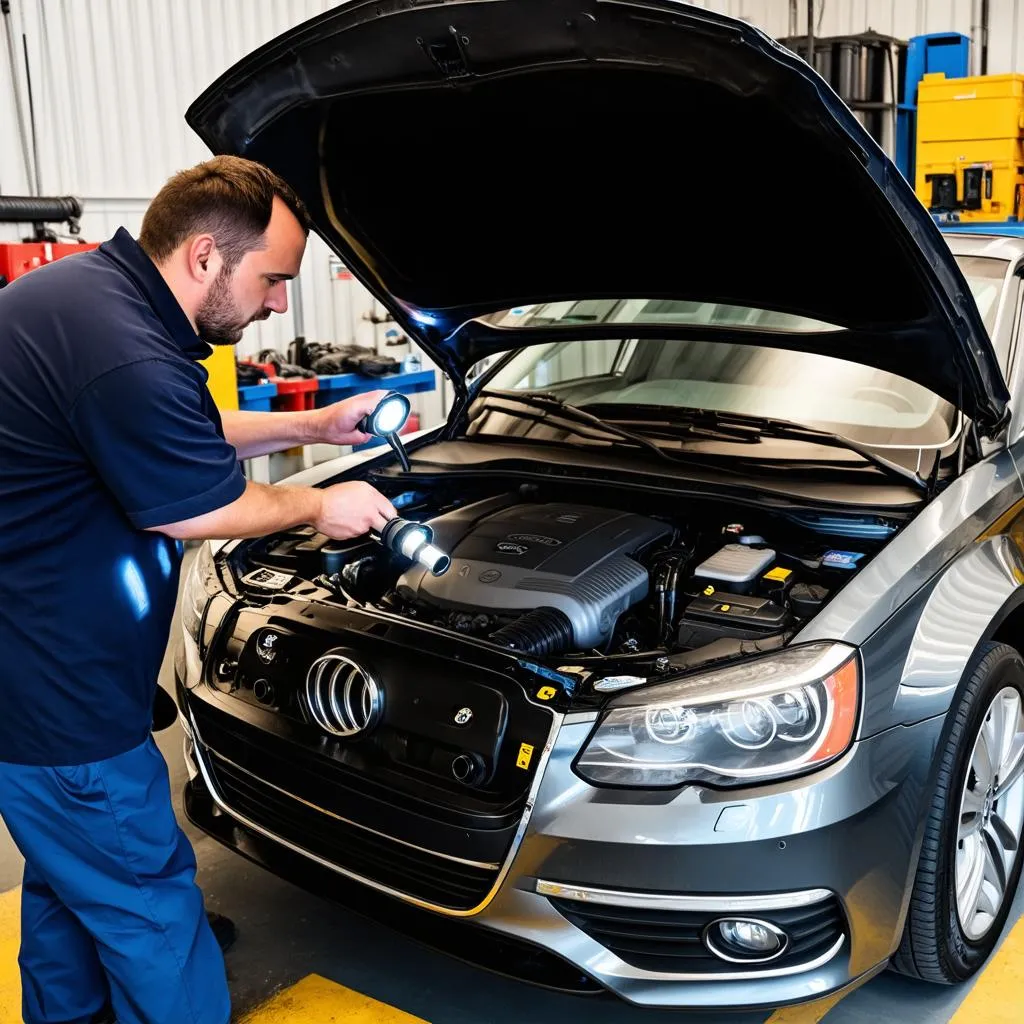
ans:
(448, 53)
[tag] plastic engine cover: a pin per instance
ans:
(571, 557)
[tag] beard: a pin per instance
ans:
(219, 321)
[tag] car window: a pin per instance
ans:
(858, 401)
(985, 277)
(818, 390)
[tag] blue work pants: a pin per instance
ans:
(110, 908)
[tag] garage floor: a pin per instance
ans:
(302, 961)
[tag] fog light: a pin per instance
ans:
(744, 940)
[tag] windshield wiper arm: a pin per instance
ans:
(716, 424)
(553, 405)
(767, 426)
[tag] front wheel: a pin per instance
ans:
(971, 858)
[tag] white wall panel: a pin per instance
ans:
(112, 79)
(111, 82)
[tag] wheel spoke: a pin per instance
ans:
(971, 808)
(1011, 770)
(985, 760)
(1002, 834)
(969, 825)
(1008, 726)
(990, 899)
(993, 860)
(970, 882)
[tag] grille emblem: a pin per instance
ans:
(342, 696)
(266, 648)
(463, 716)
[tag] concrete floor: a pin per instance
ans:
(285, 935)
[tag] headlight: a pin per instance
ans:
(200, 586)
(759, 720)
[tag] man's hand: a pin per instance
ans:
(336, 423)
(352, 509)
(342, 511)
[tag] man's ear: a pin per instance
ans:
(204, 261)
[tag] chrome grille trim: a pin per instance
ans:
(742, 904)
(342, 696)
(485, 865)
(506, 866)
(609, 964)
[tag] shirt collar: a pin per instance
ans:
(134, 261)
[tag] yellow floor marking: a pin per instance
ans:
(315, 1000)
(10, 939)
(805, 1013)
(996, 996)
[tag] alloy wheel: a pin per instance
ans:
(991, 815)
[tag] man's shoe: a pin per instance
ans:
(224, 930)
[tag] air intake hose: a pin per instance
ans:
(36, 209)
(538, 632)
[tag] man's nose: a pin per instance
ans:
(277, 298)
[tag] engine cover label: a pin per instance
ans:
(510, 548)
(533, 538)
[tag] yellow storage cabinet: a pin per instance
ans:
(223, 382)
(969, 155)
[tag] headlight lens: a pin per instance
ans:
(755, 721)
(197, 591)
(200, 585)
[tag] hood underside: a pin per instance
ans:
(468, 156)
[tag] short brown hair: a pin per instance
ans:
(228, 197)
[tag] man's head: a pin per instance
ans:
(226, 235)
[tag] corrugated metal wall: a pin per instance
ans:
(111, 80)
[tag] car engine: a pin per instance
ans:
(568, 570)
(550, 577)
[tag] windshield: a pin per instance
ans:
(984, 278)
(654, 311)
(859, 402)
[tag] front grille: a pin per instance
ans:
(417, 873)
(670, 941)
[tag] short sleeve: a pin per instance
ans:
(144, 428)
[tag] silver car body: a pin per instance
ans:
(949, 580)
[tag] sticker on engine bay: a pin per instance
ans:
(841, 559)
(525, 755)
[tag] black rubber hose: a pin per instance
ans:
(36, 209)
(538, 632)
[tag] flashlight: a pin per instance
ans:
(386, 420)
(414, 541)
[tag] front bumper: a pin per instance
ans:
(851, 830)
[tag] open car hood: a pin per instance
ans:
(468, 156)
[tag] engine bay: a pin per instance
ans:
(543, 575)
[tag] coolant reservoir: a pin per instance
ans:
(735, 567)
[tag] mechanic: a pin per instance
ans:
(112, 453)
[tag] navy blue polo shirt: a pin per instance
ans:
(107, 428)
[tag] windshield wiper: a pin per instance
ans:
(713, 425)
(758, 427)
(553, 406)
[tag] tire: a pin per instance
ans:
(936, 947)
